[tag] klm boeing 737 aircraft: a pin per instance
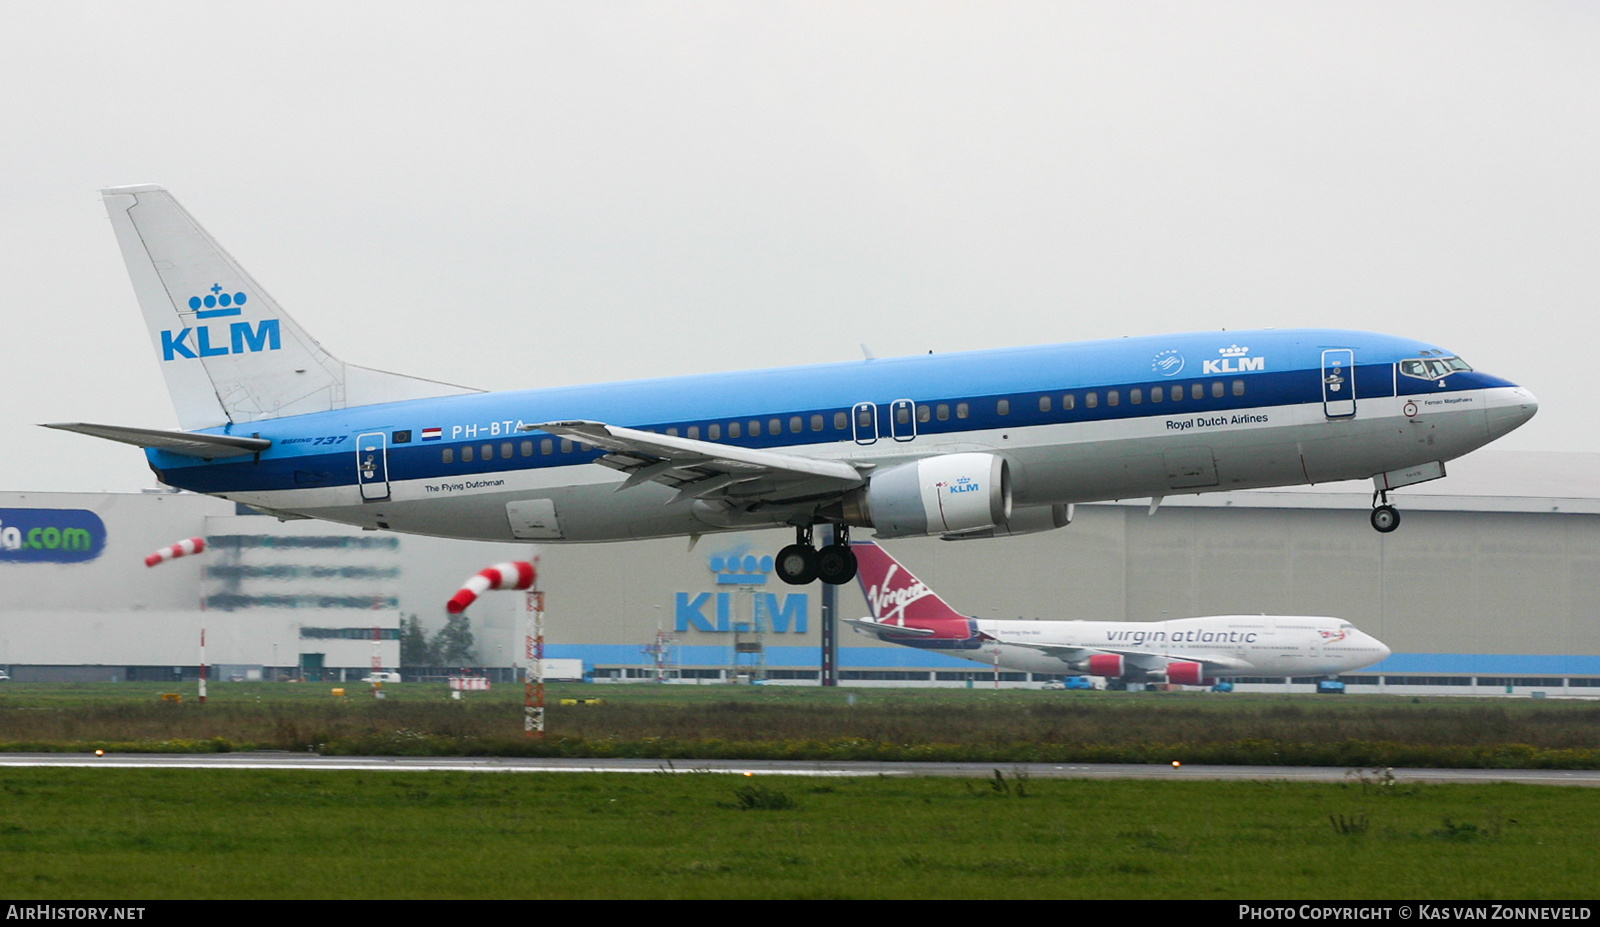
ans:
(970, 445)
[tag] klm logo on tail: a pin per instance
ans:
(241, 336)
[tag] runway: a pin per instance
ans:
(306, 761)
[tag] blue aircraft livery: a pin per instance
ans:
(961, 446)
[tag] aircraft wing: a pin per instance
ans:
(204, 446)
(704, 469)
(1147, 659)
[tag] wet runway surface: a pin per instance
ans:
(306, 761)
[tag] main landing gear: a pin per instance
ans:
(1385, 517)
(801, 563)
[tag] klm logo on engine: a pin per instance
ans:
(964, 484)
(1234, 360)
(213, 340)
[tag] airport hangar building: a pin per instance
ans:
(1490, 585)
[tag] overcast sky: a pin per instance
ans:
(527, 194)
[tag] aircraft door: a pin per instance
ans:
(372, 466)
(865, 418)
(1339, 383)
(903, 420)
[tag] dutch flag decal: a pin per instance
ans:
(432, 434)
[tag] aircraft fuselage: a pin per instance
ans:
(1082, 422)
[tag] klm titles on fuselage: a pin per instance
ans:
(1234, 360)
(241, 337)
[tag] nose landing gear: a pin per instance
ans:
(801, 563)
(1385, 517)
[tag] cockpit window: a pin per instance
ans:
(1433, 368)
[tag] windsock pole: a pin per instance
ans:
(533, 672)
(520, 574)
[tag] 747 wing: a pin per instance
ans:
(1144, 659)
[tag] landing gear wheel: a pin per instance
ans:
(1385, 518)
(836, 564)
(796, 564)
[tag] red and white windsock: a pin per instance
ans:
(517, 575)
(181, 549)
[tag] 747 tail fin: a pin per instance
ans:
(897, 598)
(228, 351)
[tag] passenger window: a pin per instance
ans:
(961, 410)
(1044, 403)
(841, 421)
(774, 426)
(1069, 402)
(1216, 389)
(488, 452)
(671, 432)
(449, 455)
(816, 423)
(527, 448)
(735, 430)
(1157, 393)
(1136, 396)
(1003, 407)
(547, 446)
(1091, 400)
(1197, 391)
(566, 445)
(755, 428)
(505, 451)
(1113, 397)
(694, 432)
(924, 413)
(902, 415)
(795, 425)
(1238, 387)
(864, 418)
(466, 454)
(943, 411)
(714, 432)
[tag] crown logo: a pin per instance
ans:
(733, 569)
(216, 303)
(1234, 351)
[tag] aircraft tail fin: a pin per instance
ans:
(228, 351)
(897, 598)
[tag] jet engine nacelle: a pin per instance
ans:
(949, 494)
(1024, 519)
(1185, 673)
(1106, 664)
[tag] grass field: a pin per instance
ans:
(128, 834)
(150, 834)
(1005, 726)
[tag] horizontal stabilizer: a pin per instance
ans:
(867, 624)
(176, 442)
